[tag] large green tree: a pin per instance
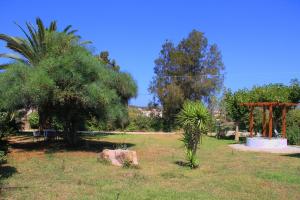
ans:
(67, 83)
(191, 70)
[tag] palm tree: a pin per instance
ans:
(33, 47)
(193, 118)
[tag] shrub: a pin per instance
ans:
(293, 126)
(9, 123)
(293, 135)
(33, 119)
(192, 160)
(2, 157)
(194, 119)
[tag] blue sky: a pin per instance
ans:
(259, 39)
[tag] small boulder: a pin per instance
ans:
(119, 156)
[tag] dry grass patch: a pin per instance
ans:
(52, 171)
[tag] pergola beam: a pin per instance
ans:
(262, 104)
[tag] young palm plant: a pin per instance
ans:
(33, 47)
(193, 118)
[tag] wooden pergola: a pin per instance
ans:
(270, 106)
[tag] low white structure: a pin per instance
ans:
(267, 145)
(262, 142)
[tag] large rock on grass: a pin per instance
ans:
(119, 157)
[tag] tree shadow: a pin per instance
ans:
(7, 171)
(53, 146)
(182, 163)
(294, 155)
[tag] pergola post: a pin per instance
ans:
(270, 121)
(251, 121)
(264, 122)
(284, 122)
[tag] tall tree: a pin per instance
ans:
(191, 70)
(67, 83)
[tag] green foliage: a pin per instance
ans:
(127, 164)
(3, 151)
(293, 126)
(193, 118)
(192, 159)
(265, 93)
(104, 57)
(139, 122)
(2, 157)
(33, 119)
(9, 123)
(31, 49)
(68, 84)
(293, 134)
(293, 118)
(192, 70)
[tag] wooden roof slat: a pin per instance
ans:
(261, 104)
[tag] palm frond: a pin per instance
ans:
(41, 33)
(72, 32)
(53, 26)
(67, 28)
(12, 56)
(85, 42)
(4, 66)
(18, 44)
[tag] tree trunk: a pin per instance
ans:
(70, 134)
(237, 134)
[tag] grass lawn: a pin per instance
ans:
(36, 171)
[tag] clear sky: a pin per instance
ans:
(259, 39)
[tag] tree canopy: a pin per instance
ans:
(68, 83)
(191, 70)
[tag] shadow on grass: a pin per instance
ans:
(61, 146)
(182, 163)
(294, 155)
(7, 171)
(87, 143)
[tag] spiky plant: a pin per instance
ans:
(194, 119)
(33, 47)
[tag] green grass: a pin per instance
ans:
(58, 173)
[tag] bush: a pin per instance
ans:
(293, 135)
(293, 126)
(9, 123)
(94, 124)
(2, 157)
(144, 123)
(33, 119)
(194, 119)
(3, 151)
